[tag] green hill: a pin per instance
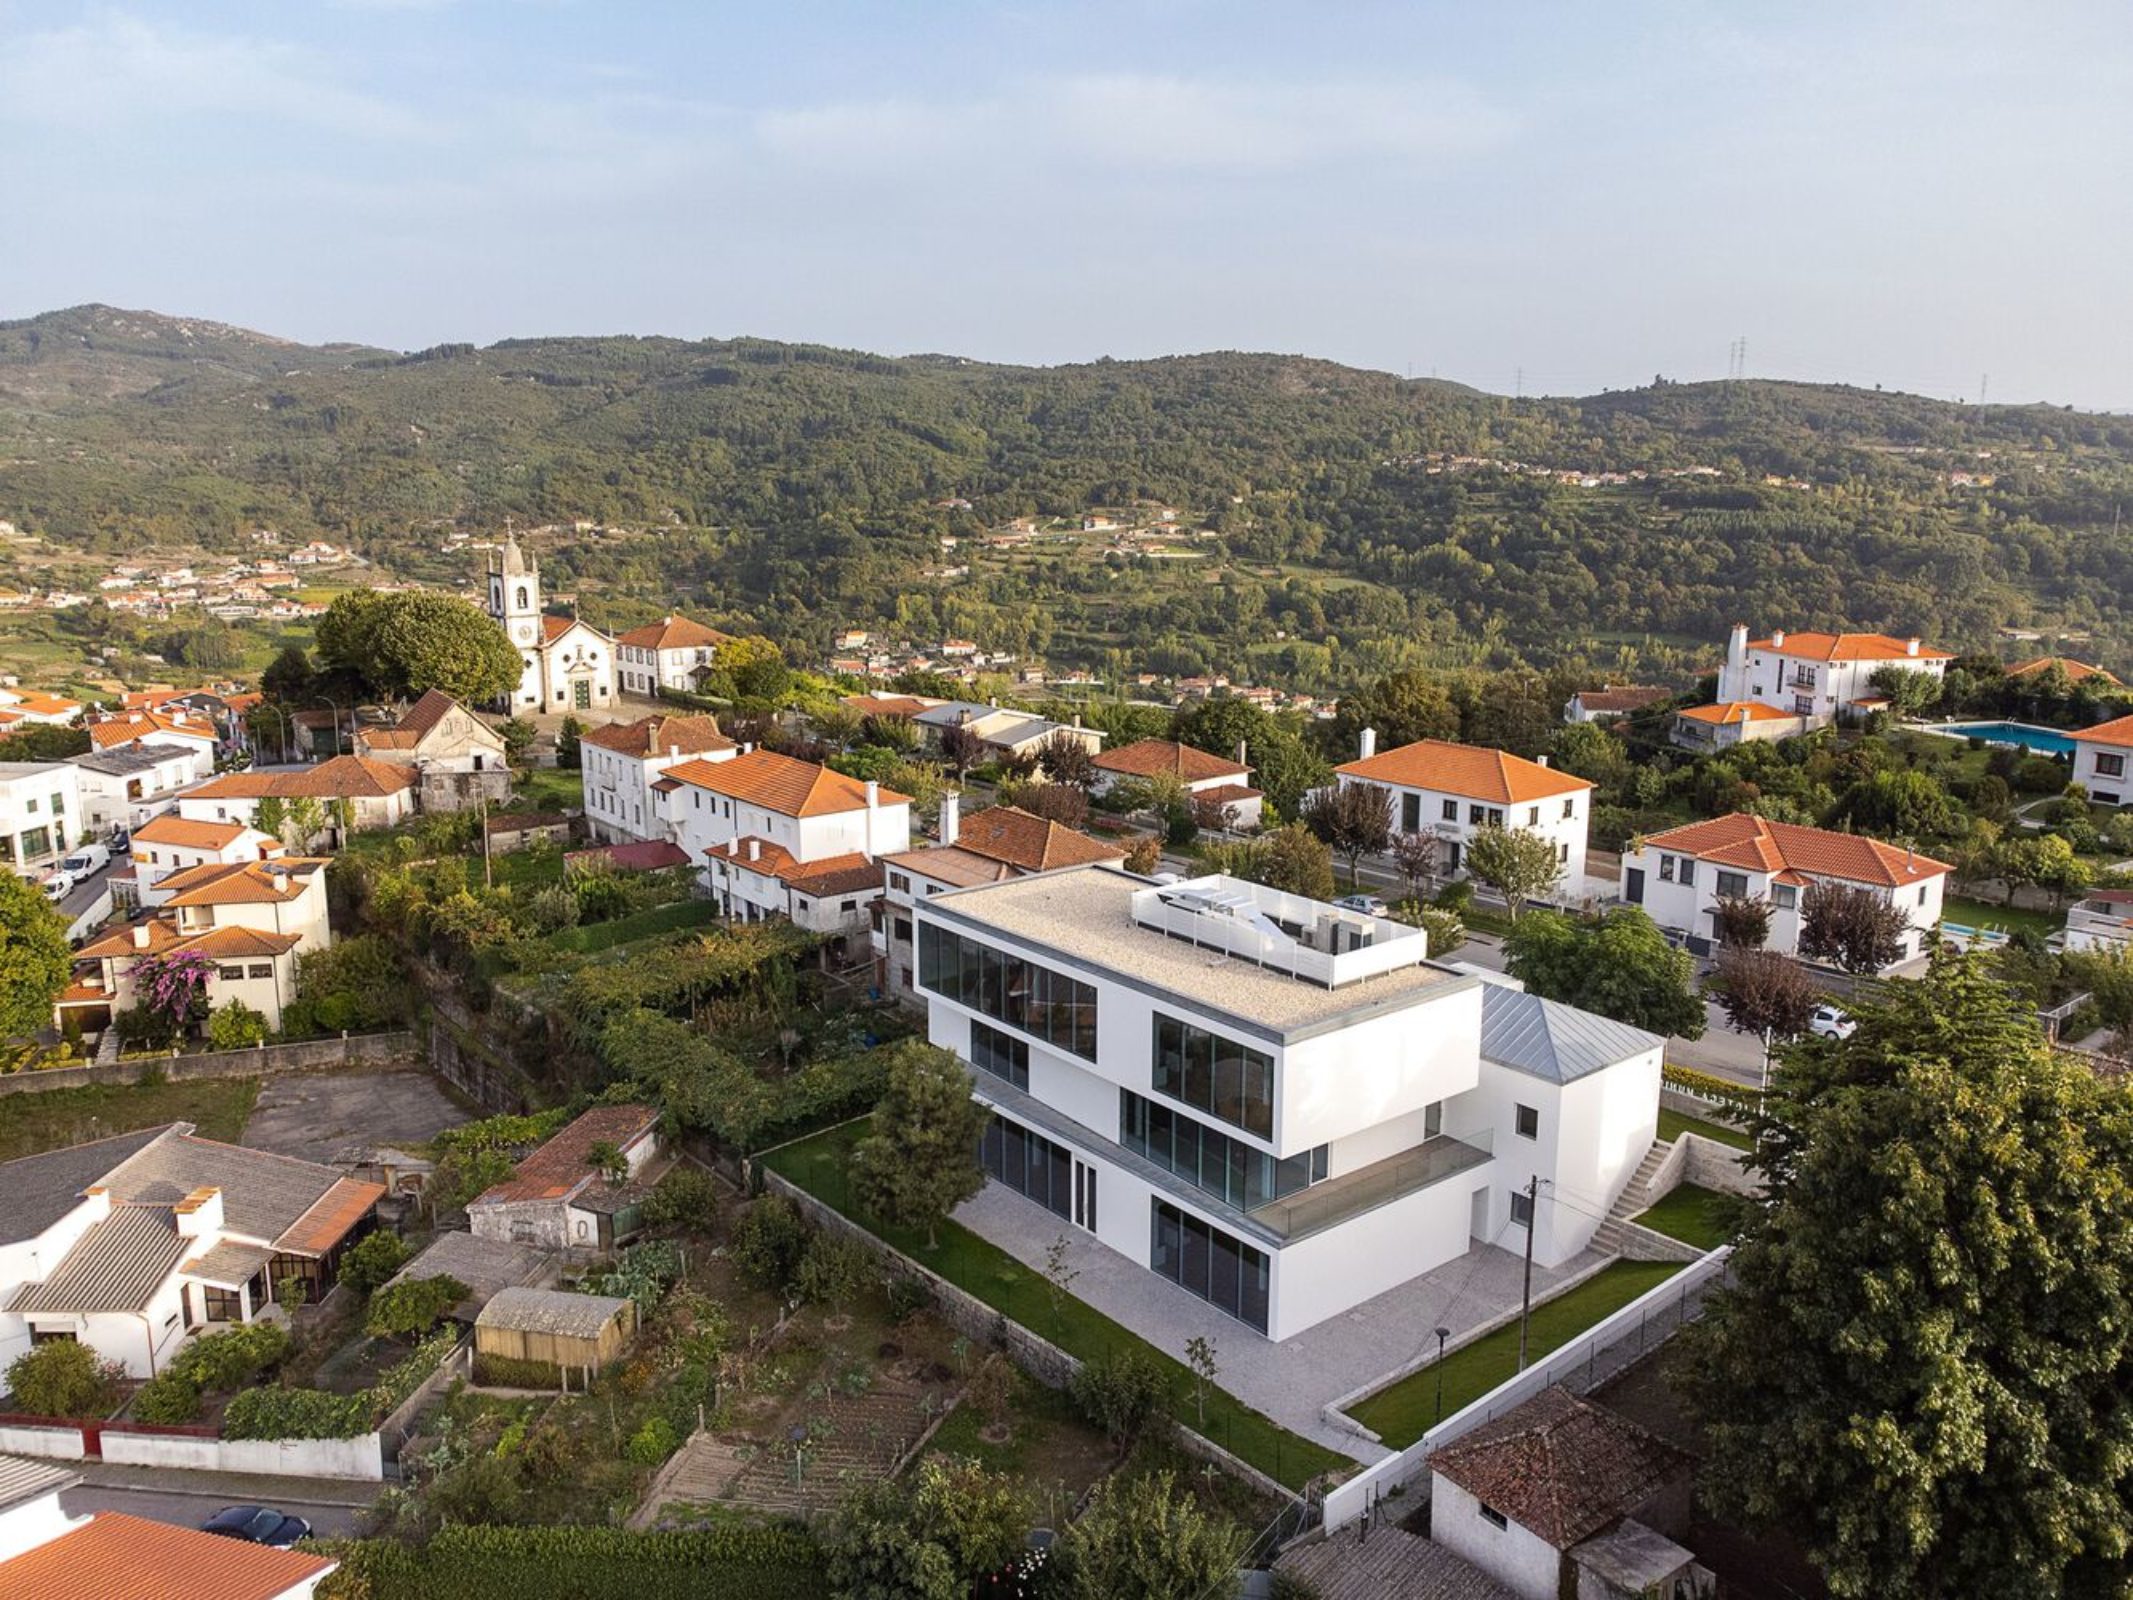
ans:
(806, 484)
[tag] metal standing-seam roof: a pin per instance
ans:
(1552, 1041)
(117, 1265)
(557, 1311)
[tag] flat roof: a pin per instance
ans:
(1084, 916)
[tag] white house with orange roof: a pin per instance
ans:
(172, 843)
(782, 837)
(619, 763)
(1211, 779)
(18, 706)
(671, 653)
(196, 737)
(251, 919)
(1726, 723)
(1680, 876)
(568, 665)
(355, 792)
(2100, 757)
(1820, 676)
(1455, 790)
(2070, 669)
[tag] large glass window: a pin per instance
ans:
(1210, 1160)
(1029, 1164)
(1001, 1054)
(1045, 1004)
(1216, 1075)
(1226, 1272)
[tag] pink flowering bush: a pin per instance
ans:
(174, 987)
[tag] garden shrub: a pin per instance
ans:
(833, 1268)
(167, 1398)
(731, 1561)
(653, 1443)
(215, 1362)
(507, 1372)
(769, 1243)
(373, 1261)
(64, 1379)
(413, 1307)
(235, 1026)
(686, 1199)
(1120, 1392)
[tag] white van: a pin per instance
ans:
(88, 859)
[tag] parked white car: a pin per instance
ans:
(1830, 1022)
(1369, 904)
(59, 885)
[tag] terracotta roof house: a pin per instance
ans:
(558, 1200)
(1454, 790)
(134, 1243)
(1534, 1496)
(2100, 755)
(620, 762)
(672, 653)
(1214, 781)
(2074, 671)
(1731, 722)
(1821, 677)
(375, 793)
(1680, 875)
(171, 843)
(110, 1555)
(1606, 704)
(457, 758)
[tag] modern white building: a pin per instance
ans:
(1456, 790)
(568, 665)
(126, 785)
(672, 653)
(1282, 1106)
(1679, 876)
(132, 1244)
(2100, 757)
(2101, 920)
(40, 814)
(782, 837)
(1820, 676)
(619, 763)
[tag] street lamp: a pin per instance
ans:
(1442, 1335)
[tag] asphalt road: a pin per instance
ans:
(188, 1508)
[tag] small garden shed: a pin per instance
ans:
(535, 1337)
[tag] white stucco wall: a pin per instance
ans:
(1522, 1562)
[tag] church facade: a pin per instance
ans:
(569, 664)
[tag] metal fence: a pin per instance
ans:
(1594, 1356)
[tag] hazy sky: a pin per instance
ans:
(1915, 195)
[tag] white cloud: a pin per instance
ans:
(120, 72)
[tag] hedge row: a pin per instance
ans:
(1707, 1086)
(735, 1561)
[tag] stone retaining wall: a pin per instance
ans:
(262, 1061)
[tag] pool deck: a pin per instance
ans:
(2054, 741)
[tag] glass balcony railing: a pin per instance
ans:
(1327, 1205)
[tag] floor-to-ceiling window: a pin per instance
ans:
(1226, 1272)
(1029, 1164)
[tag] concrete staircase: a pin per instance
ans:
(1618, 1236)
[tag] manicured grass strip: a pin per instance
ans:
(1402, 1412)
(33, 1123)
(820, 1164)
(1692, 1214)
(1672, 1125)
(2005, 919)
(638, 925)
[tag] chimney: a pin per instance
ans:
(673, 752)
(1910, 647)
(140, 936)
(1777, 638)
(1540, 761)
(951, 817)
(1367, 746)
(755, 849)
(873, 794)
(199, 1214)
(1240, 754)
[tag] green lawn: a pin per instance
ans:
(551, 788)
(819, 1165)
(1673, 1124)
(1402, 1412)
(31, 1123)
(1691, 1214)
(2005, 919)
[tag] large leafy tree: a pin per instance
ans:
(34, 960)
(1355, 820)
(1922, 1367)
(1515, 863)
(1854, 928)
(1619, 966)
(921, 1160)
(401, 645)
(1402, 707)
(929, 1536)
(1763, 992)
(1282, 767)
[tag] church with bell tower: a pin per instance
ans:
(569, 664)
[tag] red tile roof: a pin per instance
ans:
(2076, 671)
(838, 874)
(1148, 758)
(559, 1168)
(119, 1557)
(330, 1217)
(2119, 730)
(113, 731)
(1849, 647)
(344, 777)
(1761, 845)
(243, 883)
(1622, 699)
(658, 734)
(1726, 712)
(889, 705)
(1560, 1467)
(673, 633)
(419, 721)
(170, 828)
(1464, 769)
(164, 939)
(642, 855)
(781, 784)
(1033, 843)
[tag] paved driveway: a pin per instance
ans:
(317, 1115)
(186, 1504)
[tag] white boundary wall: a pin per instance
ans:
(361, 1457)
(1349, 1501)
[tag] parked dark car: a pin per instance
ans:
(257, 1525)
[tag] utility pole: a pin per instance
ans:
(1525, 1310)
(488, 879)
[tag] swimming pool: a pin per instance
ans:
(2044, 741)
